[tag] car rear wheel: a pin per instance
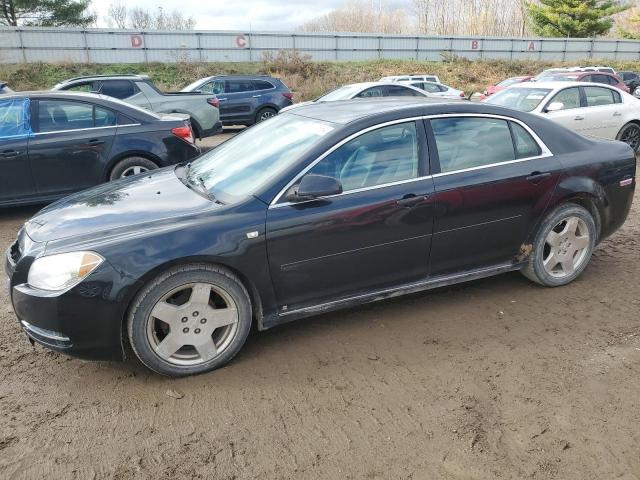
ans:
(630, 134)
(562, 247)
(130, 166)
(266, 114)
(189, 320)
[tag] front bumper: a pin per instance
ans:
(85, 321)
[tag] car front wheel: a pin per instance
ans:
(562, 247)
(189, 320)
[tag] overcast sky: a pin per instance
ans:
(242, 14)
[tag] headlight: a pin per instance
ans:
(62, 271)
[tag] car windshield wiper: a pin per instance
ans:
(203, 187)
(199, 182)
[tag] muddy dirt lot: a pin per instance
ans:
(494, 379)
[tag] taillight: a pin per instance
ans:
(184, 132)
(462, 94)
(288, 95)
(214, 102)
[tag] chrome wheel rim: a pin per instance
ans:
(135, 170)
(566, 247)
(266, 115)
(631, 136)
(192, 324)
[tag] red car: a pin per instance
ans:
(491, 89)
(593, 77)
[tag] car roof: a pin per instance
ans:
(123, 76)
(347, 111)
(104, 100)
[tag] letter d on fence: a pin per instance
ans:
(136, 41)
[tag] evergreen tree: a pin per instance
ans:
(46, 13)
(573, 18)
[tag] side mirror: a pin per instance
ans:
(314, 186)
(554, 106)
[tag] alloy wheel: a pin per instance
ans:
(266, 115)
(134, 170)
(192, 324)
(631, 136)
(566, 247)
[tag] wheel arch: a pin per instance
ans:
(590, 201)
(130, 153)
(254, 295)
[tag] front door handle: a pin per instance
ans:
(617, 114)
(578, 117)
(222, 99)
(410, 200)
(95, 141)
(537, 177)
(10, 153)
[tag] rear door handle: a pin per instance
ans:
(10, 153)
(410, 200)
(257, 96)
(578, 117)
(537, 177)
(95, 141)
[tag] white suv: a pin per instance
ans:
(411, 78)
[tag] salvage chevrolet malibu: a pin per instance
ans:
(324, 207)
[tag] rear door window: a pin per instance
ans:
(238, 86)
(60, 115)
(104, 117)
(468, 142)
(598, 96)
(400, 91)
(524, 143)
(118, 88)
(371, 92)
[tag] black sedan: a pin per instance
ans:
(54, 143)
(328, 206)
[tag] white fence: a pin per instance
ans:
(128, 46)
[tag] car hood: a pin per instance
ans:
(149, 198)
(294, 106)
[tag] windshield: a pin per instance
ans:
(523, 99)
(241, 166)
(342, 93)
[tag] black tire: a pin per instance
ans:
(265, 113)
(535, 270)
(630, 134)
(126, 165)
(141, 307)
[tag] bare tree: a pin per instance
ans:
(471, 17)
(141, 19)
(117, 14)
(361, 16)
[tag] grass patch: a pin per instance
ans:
(306, 78)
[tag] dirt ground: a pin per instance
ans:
(497, 378)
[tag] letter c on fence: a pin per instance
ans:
(474, 44)
(241, 41)
(136, 41)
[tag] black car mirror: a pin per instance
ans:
(314, 186)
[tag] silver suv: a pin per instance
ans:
(140, 91)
